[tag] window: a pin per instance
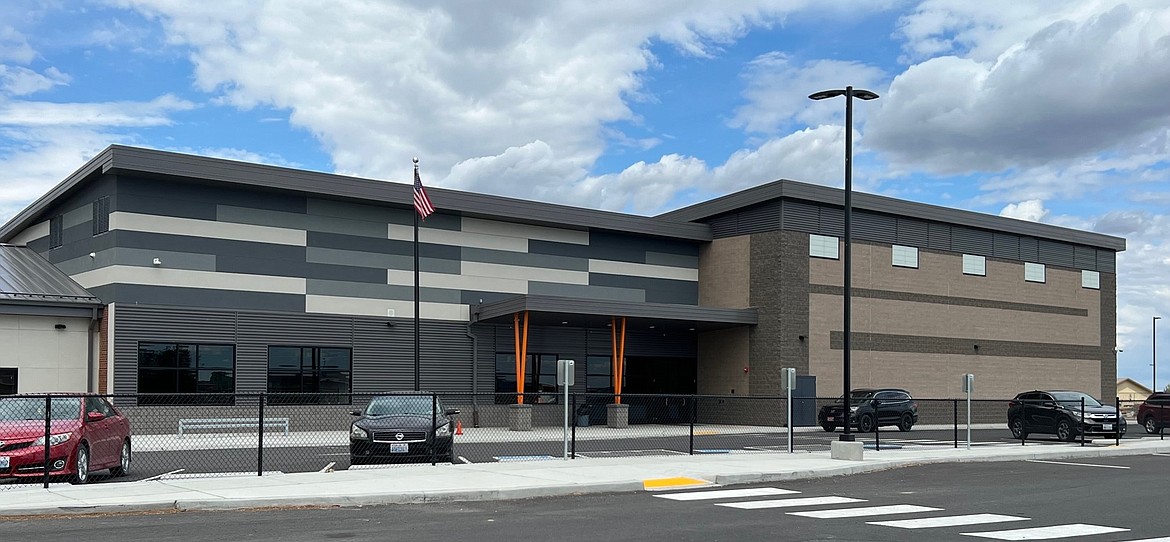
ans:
(822, 246)
(302, 375)
(1091, 280)
(56, 236)
(205, 370)
(1033, 272)
(905, 256)
(974, 265)
(101, 215)
(8, 381)
(540, 373)
(599, 374)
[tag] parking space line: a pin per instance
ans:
(948, 521)
(1048, 533)
(1159, 539)
(726, 493)
(786, 503)
(1076, 464)
(865, 511)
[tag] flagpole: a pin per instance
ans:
(417, 385)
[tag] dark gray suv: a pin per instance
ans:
(1064, 413)
(871, 408)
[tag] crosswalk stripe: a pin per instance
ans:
(947, 521)
(865, 511)
(785, 503)
(1048, 533)
(1159, 539)
(725, 494)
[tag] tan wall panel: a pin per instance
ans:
(724, 273)
(722, 356)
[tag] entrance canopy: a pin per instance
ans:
(598, 313)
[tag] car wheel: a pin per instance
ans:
(123, 467)
(81, 466)
(906, 422)
(828, 427)
(1064, 431)
(1017, 427)
(1151, 425)
(865, 423)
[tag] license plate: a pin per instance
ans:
(1106, 427)
(830, 419)
(3, 462)
(399, 447)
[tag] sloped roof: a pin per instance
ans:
(27, 278)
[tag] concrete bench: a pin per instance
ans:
(187, 425)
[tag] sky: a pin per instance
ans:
(1054, 112)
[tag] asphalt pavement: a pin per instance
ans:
(515, 479)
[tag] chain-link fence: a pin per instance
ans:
(136, 437)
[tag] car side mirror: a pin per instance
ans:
(94, 416)
(1049, 404)
(450, 412)
(355, 413)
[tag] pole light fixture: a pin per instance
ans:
(849, 93)
(1154, 352)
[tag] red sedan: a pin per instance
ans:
(86, 434)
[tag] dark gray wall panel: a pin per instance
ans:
(207, 298)
(256, 332)
(1006, 246)
(629, 248)
(1029, 249)
(142, 324)
(505, 257)
(1106, 261)
(584, 291)
(724, 225)
(832, 221)
(472, 297)
(357, 289)
(212, 194)
(1085, 257)
(939, 236)
(875, 227)
(801, 216)
(759, 218)
(672, 260)
(555, 248)
(971, 241)
(358, 243)
(165, 206)
(294, 268)
(657, 290)
(206, 245)
(912, 233)
(1053, 253)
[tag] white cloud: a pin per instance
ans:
(109, 114)
(1032, 210)
(19, 81)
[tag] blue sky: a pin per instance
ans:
(1039, 110)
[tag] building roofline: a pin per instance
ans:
(117, 159)
(785, 188)
(588, 312)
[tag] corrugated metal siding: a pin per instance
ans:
(759, 219)
(1085, 257)
(801, 216)
(875, 227)
(972, 241)
(445, 357)
(134, 324)
(939, 236)
(258, 331)
(912, 232)
(832, 222)
(724, 226)
(1106, 261)
(1006, 246)
(1054, 253)
(383, 357)
(1029, 249)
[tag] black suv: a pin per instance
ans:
(1059, 413)
(402, 425)
(869, 408)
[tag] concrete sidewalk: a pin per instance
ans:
(512, 480)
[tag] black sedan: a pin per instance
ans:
(1066, 414)
(402, 426)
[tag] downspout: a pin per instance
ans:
(89, 368)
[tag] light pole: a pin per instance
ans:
(861, 94)
(1154, 352)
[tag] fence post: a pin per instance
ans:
(48, 416)
(1117, 429)
(573, 452)
(694, 414)
(433, 435)
(260, 438)
(877, 439)
(1082, 428)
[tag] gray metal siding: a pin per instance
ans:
(1106, 261)
(1054, 253)
(725, 226)
(1085, 258)
(142, 324)
(130, 294)
(657, 290)
(801, 216)
(760, 218)
(875, 227)
(971, 241)
(1007, 246)
(1030, 249)
(206, 196)
(939, 236)
(832, 221)
(912, 232)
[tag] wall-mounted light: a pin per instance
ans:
(59, 326)
(157, 261)
(92, 255)
(976, 347)
(745, 370)
(389, 324)
(801, 338)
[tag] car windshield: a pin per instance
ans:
(856, 397)
(33, 408)
(400, 405)
(1073, 399)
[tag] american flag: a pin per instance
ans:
(422, 203)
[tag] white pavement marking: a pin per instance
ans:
(865, 511)
(1048, 533)
(948, 521)
(1076, 464)
(786, 503)
(726, 494)
(1159, 539)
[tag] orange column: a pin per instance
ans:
(619, 356)
(521, 339)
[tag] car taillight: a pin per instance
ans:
(1013, 403)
